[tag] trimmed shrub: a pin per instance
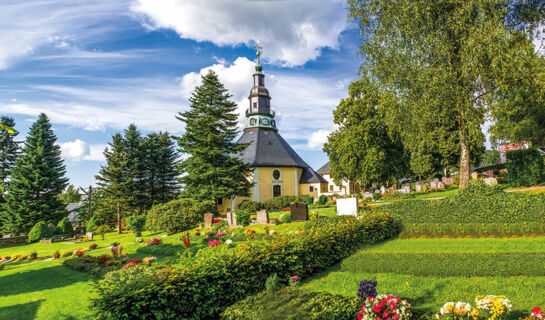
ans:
(274, 283)
(376, 196)
(203, 286)
(161, 250)
(93, 224)
(39, 231)
(65, 227)
(251, 206)
(243, 217)
(476, 230)
(309, 200)
(524, 167)
(178, 215)
(294, 305)
(322, 200)
(136, 224)
(278, 203)
(286, 218)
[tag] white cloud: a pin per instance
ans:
(317, 139)
(31, 24)
(79, 150)
(291, 32)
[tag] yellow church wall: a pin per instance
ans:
(318, 188)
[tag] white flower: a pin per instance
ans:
(228, 242)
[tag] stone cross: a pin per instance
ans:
(208, 217)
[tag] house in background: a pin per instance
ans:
(346, 187)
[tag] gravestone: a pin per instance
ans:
(299, 211)
(441, 185)
(394, 187)
(367, 195)
(347, 206)
(444, 180)
(231, 219)
(490, 181)
(406, 189)
(262, 217)
(433, 185)
(382, 190)
(418, 187)
(208, 217)
(423, 187)
(436, 180)
(89, 235)
(488, 174)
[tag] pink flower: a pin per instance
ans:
(295, 278)
(396, 316)
(376, 308)
(214, 243)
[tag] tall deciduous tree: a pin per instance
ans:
(363, 148)
(443, 61)
(8, 152)
(37, 180)
(161, 160)
(212, 171)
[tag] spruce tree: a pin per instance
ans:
(37, 180)
(212, 171)
(161, 173)
(135, 168)
(8, 152)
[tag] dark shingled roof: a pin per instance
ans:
(325, 169)
(268, 149)
(310, 176)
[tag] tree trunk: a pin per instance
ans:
(464, 160)
(118, 219)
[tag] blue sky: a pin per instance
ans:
(96, 66)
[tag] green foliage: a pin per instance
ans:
(274, 283)
(251, 206)
(286, 218)
(524, 167)
(363, 148)
(278, 203)
(468, 212)
(212, 171)
(102, 230)
(448, 264)
(93, 224)
(94, 265)
(491, 158)
(322, 200)
(475, 230)
(201, 287)
(294, 304)
(309, 200)
(70, 195)
(65, 227)
(36, 182)
(243, 217)
(177, 215)
(376, 196)
(9, 151)
(160, 168)
(39, 231)
(136, 224)
(162, 249)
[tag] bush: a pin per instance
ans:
(243, 217)
(294, 305)
(273, 283)
(309, 200)
(322, 200)
(93, 224)
(92, 246)
(376, 196)
(251, 206)
(161, 250)
(178, 215)
(136, 224)
(286, 218)
(39, 231)
(278, 203)
(201, 287)
(524, 167)
(65, 228)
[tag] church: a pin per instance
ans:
(278, 169)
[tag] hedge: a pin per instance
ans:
(476, 230)
(294, 305)
(203, 286)
(250, 206)
(177, 215)
(448, 264)
(278, 203)
(524, 167)
(477, 203)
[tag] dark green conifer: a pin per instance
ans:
(8, 152)
(161, 174)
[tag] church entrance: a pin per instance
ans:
(277, 190)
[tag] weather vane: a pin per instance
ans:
(258, 66)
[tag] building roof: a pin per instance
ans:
(325, 169)
(310, 176)
(268, 149)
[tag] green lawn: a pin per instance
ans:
(431, 292)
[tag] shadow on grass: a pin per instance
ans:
(38, 280)
(23, 311)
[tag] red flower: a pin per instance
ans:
(216, 220)
(536, 310)
(376, 308)
(154, 241)
(214, 243)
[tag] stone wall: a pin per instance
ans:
(12, 240)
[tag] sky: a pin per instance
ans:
(96, 66)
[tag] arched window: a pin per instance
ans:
(277, 190)
(253, 122)
(265, 121)
(276, 174)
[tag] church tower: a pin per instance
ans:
(278, 169)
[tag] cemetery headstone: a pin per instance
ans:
(418, 187)
(441, 185)
(231, 219)
(491, 181)
(444, 180)
(208, 217)
(89, 235)
(262, 217)
(406, 189)
(299, 211)
(382, 190)
(436, 180)
(433, 185)
(347, 206)
(394, 187)
(366, 195)
(488, 174)
(424, 187)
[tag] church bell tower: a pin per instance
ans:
(259, 114)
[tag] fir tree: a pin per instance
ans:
(8, 152)
(161, 174)
(211, 171)
(37, 180)
(70, 195)
(135, 168)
